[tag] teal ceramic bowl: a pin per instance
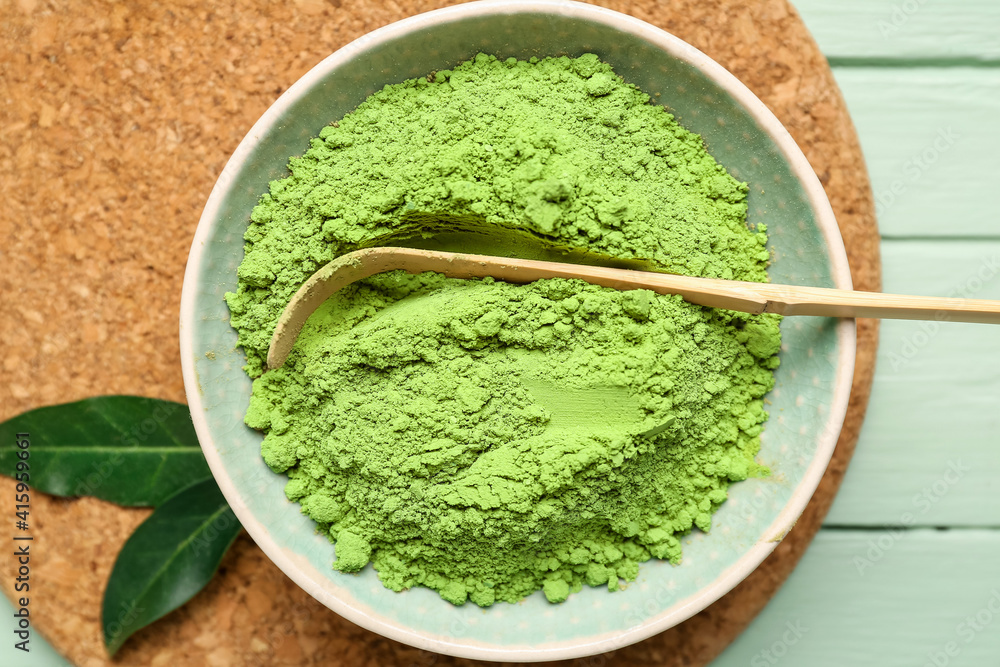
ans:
(807, 406)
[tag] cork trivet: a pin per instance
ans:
(115, 120)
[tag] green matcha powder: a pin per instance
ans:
(484, 439)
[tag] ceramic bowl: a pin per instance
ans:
(807, 405)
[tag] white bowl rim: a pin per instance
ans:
(846, 333)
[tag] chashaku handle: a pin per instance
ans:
(747, 297)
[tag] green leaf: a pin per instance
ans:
(167, 560)
(129, 450)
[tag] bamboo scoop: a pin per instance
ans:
(746, 297)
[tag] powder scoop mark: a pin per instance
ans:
(484, 439)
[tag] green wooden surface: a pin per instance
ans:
(910, 549)
(865, 594)
(854, 32)
(935, 400)
(929, 137)
(879, 598)
(40, 653)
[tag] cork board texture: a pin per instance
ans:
(116, 118)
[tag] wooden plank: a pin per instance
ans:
(851, 601)
(904, 29)
(908, 599)
(929, 451)
(40, 652)
(930, 140)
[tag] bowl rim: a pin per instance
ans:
(682, 609)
